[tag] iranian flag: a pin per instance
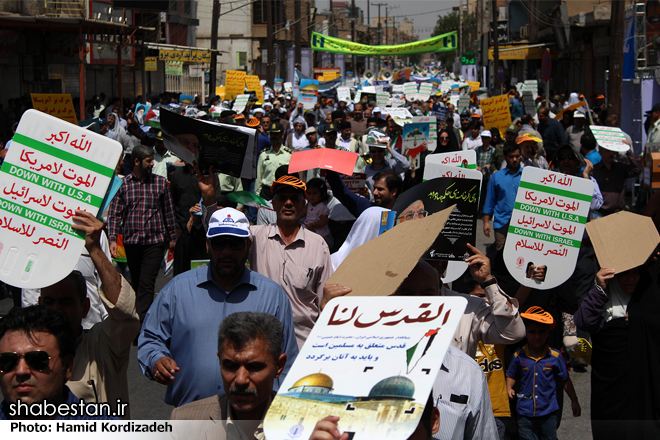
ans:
(247, 198)
(417, 351)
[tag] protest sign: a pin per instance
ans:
(385, 85)
(58, 105)
(417, 137)
(253, 84)
(571, 108)
(288, 87)
(440, 114)
(369, 89)
(496, 112)
(383, 99)
(358, 96)
(234, 83)
(398, 88)
(474, 85)
(435, 195)
(220, 91)
(637, 232)
(463, 159)
(425, 90)
(372, 362)
(401, 115)
(355, 183)
(397, 102)
(610, 138)
(278, 85)
(52, 169)
(387, 220)
(344, 94)
(547, 226)
(529, 102)
(309, 92)
(328, 158)
(463, 104)
(532, 85)
(410, 90)
(240, 103)
(228, 148)
(432, 142)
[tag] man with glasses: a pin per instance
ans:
(270, 160)
(37, 348)
(174, 347)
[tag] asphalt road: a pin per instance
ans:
(147, 397)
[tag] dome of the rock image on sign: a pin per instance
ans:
(396, 387)
(315, 383)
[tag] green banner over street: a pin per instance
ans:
(441, 43)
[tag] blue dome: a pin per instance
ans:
(396, 387)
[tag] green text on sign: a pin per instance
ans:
(37, 217)
(544, 237)
(559, 215)
(556, 191)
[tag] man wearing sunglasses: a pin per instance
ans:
(37, 347)
(174, 347)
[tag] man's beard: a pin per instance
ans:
(238, 266)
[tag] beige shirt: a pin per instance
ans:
(103, 353)
(489, 320)
(301, 269)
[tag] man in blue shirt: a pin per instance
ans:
(37, 347)
(175, 348)
(501, 195)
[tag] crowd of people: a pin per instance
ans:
(266, 281)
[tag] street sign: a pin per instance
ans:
(546, 66)
(500, 74)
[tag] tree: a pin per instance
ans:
(450, 23)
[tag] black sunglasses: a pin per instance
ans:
(36, 360)
(219, 243)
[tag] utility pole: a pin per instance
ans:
(614, 89)
(213, 76)
(380, 27)
(270, 68)
(297, 29)
(354, 17)
(496, 53)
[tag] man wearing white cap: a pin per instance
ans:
(174, 346)
(574, 132)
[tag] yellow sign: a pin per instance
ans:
(329, 76)
(474, 85)
(151, 64)
(234, 83)
(187, 56)
(496, 112)
(254, 85)
(534, 53)
(220, 91)
(570, 108)
(58, 105)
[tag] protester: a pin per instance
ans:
(316, 219)
(551, 131)
(378, 153)
(270, 160)
(612, 177)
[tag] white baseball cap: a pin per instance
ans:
(228, 221)
(486, 133)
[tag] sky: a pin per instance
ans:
(423, 13)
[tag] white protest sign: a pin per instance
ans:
(432, 142)
(288, 87)
(397, 88)
(529, 102)
(410, 90)
(463, 158)
(610, 138)
(52, 169)
(383, 99)
(344, 94)
(401, 115)
(369, 89)
(425, 90)
(360, 350)
(240, 103)
(379, 88)
(396, 102)
(547, 226)
(453, 100)
(532, 85)
(358, 96)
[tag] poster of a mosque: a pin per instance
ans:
(372, 361)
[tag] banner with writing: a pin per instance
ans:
(343, 94)
(496, 112)
(441, 43)
(234, 83)
(462, 159)
(52, 169)
(58, 105)
(187, 56)
(227, 148)
(240, 103)
(253, 84)
(365, 358)
(547, 226)
(435, 195)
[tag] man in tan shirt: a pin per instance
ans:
(250, 354)
(100, 366)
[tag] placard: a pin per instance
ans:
(278, 85)
(529, 102)
(496, 112)
(344, 94)
(234, 83)
(547, 226)
(410, 90)
(463, 104)
(309, 93)
(370, 361)
(436, 195)
(425, 90)
(417, 138)
(228, 148)
(610, 138)
(463, 159)
(151, 64)
(253, 84)
(58, 105)
(240, 103)
(401, 115)
(383, 99)
(328, 158)
(51, 169)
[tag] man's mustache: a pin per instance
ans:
(242, 390)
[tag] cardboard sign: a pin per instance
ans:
(344, 94)
(547, 226)
(253, 84)
(52, 169)
(463, 159)
(610, 138)
(58, 105)
(372, 362)
(496, 112)
(240, 103)
(234, 83)
(435, 195)
(386, 273)
(328, 158)
(607, 235)
(228, 148)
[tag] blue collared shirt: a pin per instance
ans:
(501, 196)
(183, 322)
(70, 401)
(538, 381)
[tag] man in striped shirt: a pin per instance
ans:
(143, 211)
